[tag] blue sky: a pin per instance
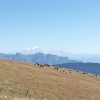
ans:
(68, 25)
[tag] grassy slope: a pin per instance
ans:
(23, 80)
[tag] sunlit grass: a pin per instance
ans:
(23, 81)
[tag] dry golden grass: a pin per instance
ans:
(25, 81)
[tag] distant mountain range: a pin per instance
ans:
(86, 57)
(51, 59)
(85, 67)
(37, 58)
(94, 58)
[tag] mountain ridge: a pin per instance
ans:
(37, 58)
(88, 67)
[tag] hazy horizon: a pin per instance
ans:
(37, 49)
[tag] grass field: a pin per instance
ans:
(25, 81)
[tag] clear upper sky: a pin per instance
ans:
(69, 25)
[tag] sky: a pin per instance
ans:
(68, 25)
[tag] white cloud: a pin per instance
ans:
(37, 49)
(33, 50)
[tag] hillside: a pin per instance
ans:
(25, 81)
